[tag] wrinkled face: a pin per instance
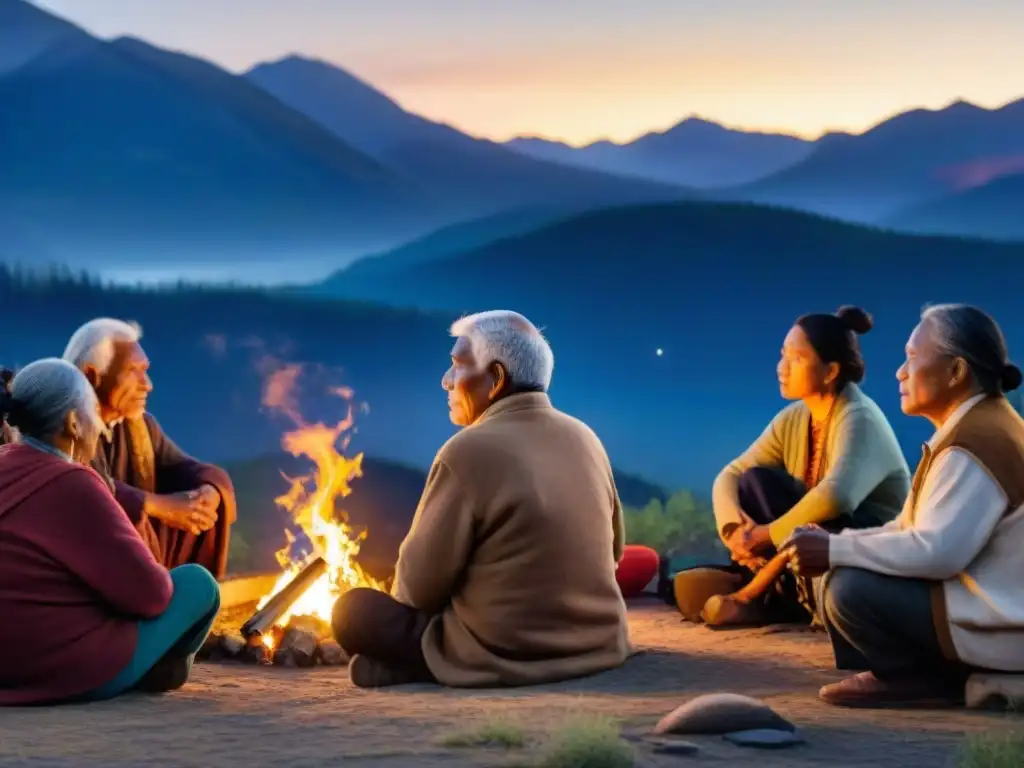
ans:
(801, 372)
(470, 390)
(929, 380)
(82, 429)
(125, 387)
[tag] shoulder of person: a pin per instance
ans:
(472, 445)
(79, 479)
(860, 410)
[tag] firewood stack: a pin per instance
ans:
(304, 642)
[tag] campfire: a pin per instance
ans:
(292, 623)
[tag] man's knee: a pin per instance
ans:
(849, 592)
(349, 616)
(197, 583)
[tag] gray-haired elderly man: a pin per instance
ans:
(507, 576)
(182, 508)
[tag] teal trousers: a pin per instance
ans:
(177, 634)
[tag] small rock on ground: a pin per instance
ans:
(720, 713)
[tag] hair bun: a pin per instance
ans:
(1011, 377)
(855, 318)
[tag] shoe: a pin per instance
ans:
(365, 672)
(168, 674)
(723, 611)
(865, 691)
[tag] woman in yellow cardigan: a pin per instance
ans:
(829, 458)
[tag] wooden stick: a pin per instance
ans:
(719, 605)
(763, 579)
(261, 621)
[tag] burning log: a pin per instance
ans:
(300, 645)
(255, 652)
(721, 609)
(232, 645)
(296, 645)
(331, 654)
(265, 618)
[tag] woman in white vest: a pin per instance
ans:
(919, 603)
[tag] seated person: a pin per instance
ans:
(919, 603)
(830, 458)
(87, 611)
(507, 576)
(182, 508)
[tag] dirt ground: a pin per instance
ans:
(231, 714)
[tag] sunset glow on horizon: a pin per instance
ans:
(622, 68)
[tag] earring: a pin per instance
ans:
(72, 449)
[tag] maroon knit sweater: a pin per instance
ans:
(74, 579)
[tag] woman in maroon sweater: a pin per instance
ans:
(87, 613)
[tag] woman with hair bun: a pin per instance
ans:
(917, 605)
(830, 458)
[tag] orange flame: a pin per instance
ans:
(311, 500)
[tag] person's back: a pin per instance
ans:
(507, 574)
(58, 637)
(538, 600)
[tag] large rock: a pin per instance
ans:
(721, 713)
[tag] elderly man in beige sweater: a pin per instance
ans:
(920, 602)
(507, 576)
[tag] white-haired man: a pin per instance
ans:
(507, 576)
(181, 507)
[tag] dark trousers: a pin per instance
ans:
(768, 493)
(885, 625)
(372, 623)
(765, 495)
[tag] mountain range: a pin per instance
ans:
(128, 155)
(121, 147)
(474, 175)
(881, 176)
(905, 161)
(694, 153)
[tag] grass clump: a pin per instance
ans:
(495, 732)
(995, 749)
(592, 742)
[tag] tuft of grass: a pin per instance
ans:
(995, 749)
(592, 742)
(495, 732)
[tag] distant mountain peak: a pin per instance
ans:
(962, 105)
(28, 31)
(318, 75)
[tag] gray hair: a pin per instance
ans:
(43, 393)
(971, 334)
(508, 338)
(93, 343)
